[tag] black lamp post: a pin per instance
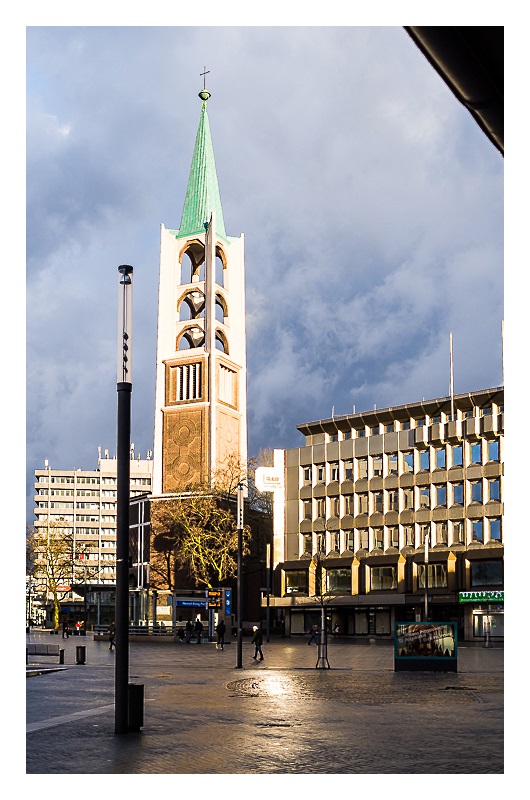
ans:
(124, 390)
(240, 506)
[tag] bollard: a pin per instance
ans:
(80, 654)
(136, 706)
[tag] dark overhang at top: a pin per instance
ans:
(471, 62)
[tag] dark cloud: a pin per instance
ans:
(371, 204)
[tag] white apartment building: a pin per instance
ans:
(83, 504)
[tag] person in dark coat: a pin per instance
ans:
(112, 635)
(257, 640)
(198, 630)
(189, 631)
(221, 630)
(66, 632)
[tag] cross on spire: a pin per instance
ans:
(204, 74)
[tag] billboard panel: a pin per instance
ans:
(425, 646)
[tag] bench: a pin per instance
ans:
(38, 649)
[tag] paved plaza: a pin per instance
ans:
(202, 715)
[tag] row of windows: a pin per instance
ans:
(414, 498)
(413, 422)
(402, 462)
(400, 536)
(84, 480)
(386, 578)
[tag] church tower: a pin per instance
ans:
(200, 395)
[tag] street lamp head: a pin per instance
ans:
(124, 324)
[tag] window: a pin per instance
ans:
(308, 509)
(320, 507)
(441, 533)
(441, 495)
(347, 435)
(440, 458)
(392, 464)
(458, 531)
(476, 491)
(334, 507)
(362, 468)
(436, 419)
(408, 535)
(493, 450)
(360, 433)
(477, 530)
(486, 573)
(374, 430)
(348, 470)
(456, 455)
(408, 498)
(349, 507)
(321, 543)
(350, 541)
(425, 497)
(393, 500)
(378, 538)
(476, 453)
(408, 461)
(188, 381)
(334, 541)
(363, 538)
(389, 428)
(377, 463)
(383, 578)
(420, 421)
(495, 528)
(458, 494)
(363, 503)
(494, 489)
(425, 530)
(393, 536)
(424, 460)
(436, 575)
(378, 502)
(338, 580)
(486, 412)
(321, 474)
(405, 426)
(307, 475)
(334, 472)
(296, 581)
(334, 437)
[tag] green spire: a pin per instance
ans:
(202, 195)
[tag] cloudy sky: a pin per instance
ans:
(370, 201)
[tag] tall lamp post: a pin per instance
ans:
(426, 580)
(240, 507)
(124, 390)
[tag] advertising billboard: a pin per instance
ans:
(426, 646)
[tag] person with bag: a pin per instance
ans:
(220, 630)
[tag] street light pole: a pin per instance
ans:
(426, 580)
(240, 507)
(268, 556)
(124, 390)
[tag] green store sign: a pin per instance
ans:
(481, 597)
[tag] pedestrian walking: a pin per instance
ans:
(221, 630)
(199, 627)
(257, 640)
(336, 630)
(189, 631)
(112, 635)
(313, 631)
(66, 631)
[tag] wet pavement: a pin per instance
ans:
(202, 715)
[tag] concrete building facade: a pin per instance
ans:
(82, 505)
(378, 500)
